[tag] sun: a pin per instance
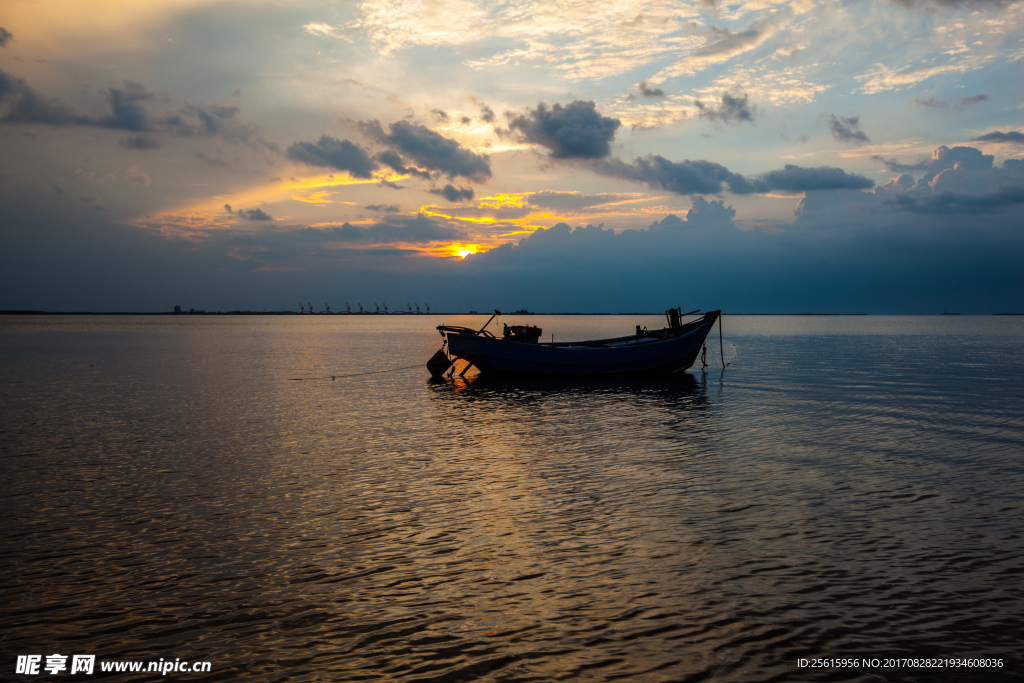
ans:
(463, 253)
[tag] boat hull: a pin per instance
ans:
(643, 357)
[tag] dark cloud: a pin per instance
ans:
(333, 153)
(228, 208)
(999, 136)
(465, 120)
(486, 113)
(648, 91)
(430, 150)
(713, 214)
(128, 110)
(969, 158)
(681, 177)
(455, 194)
(702, 214)
(931, 102)
(394, 160)
(439, 115)
(973, 99)
(575, 131)
(793, 178)
(729, 109)
(847, 129)
(706, 177)
(1014, 164)
(211, 161)
(386, 208)
(25, 105)
(5, 36)
(254, 214)
(947, 202)
(140, 141)
(416, 229)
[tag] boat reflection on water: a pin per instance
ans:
(618, 404)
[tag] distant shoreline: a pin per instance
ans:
(435, 314)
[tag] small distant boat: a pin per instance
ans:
(519, 350)
(945, 312)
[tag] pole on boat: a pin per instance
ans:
(496, 312)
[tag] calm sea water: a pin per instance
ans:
(849, 487)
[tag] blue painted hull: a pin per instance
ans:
(641, 355)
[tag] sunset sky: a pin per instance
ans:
(761, 156)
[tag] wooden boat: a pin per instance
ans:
(520, 352)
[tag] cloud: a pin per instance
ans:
(575, 131)
(705, 177)
(713, 214)
(793, 178)
(847, 129)
(931, 102)
(211, 161)
(254, 214)
(5, 36)
(394, 160)
(25, 105)
(386, 208)
(439, 115)
(967, 158)
(430, 150)
(648, 91)
(973, 99)
(455, 194)
(999, 136)
(418, 229)
(946, 202)
(129, 111)
(574, 201)
(140, 141)
(135, 176)
(730, 109)
(486, 113)
(681, 177)
(329, 152)
(725, 48)
(956, 4)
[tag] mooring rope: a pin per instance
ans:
(357, 374)
(720, 349)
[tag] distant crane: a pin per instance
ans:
(348, 308)
(409, 307)
(311, 308)
(376, 307)
(302, 309)
(327, 307)
(417, 308)
(385, 309)
(427, 306)
(360, 308)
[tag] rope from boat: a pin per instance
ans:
(720, 343)
(357, 374)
